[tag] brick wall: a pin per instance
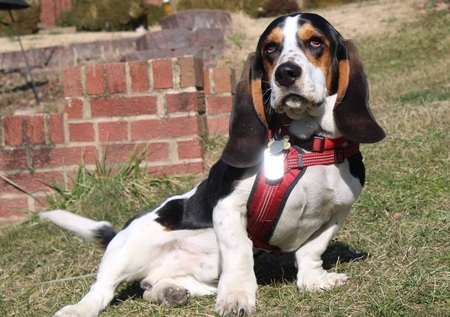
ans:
(52, 9)
(164, 106)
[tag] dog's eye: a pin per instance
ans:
(315, 42)
(270, 48)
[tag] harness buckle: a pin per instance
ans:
(318, 144)
(339, 155)
(299, 160)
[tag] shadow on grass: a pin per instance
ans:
(269, 268)
(127, 292)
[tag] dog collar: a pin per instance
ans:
(268, 197)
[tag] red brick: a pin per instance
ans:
(56, 128)
(113, 131)
(195, 168)
(81, 132)
(123, 106)
(72, 82)
(162, 73)
(115, 77)
(34, 129)
(9, 210)
(192, 149)
(207, 81)
(218, 124)
(74, 108)
(164, 128)
(65, 156)
(13, 130)
(32, 183)
(15, 159)
(139, 76)
(120, 153)
(223, 81)
(219, 104)
(191, 72)
(184, 102)
(95, 81)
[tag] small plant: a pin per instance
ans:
(108, 191)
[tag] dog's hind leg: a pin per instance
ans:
(118, 264)
(175, 291)
(165, 291)
(187, 269)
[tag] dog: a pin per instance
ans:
(300, 111)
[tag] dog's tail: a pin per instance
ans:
(98, 232)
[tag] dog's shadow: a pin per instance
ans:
(271, 269)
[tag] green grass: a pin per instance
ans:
(401, 222)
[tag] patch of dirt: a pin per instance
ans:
(364, 18)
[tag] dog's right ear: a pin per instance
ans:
(248, 124)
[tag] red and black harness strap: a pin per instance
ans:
(267, 198)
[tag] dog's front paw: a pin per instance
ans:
(73, 311)
(325, 281)
(235, 303)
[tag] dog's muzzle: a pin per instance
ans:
(287, 74)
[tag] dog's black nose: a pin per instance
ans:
(287, 73)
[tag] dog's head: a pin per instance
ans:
(304, 73)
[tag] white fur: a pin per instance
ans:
(145, 251)
(75, 223)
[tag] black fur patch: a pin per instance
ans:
(196, 211)
(357, 168)
(104, 235)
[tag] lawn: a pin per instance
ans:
(395, 244)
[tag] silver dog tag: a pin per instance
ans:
(276, 147)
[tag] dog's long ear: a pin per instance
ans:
(351, 112)
(248, 123)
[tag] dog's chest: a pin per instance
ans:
(322, 191)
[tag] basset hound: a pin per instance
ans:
(304, 93)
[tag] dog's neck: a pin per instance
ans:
(318, 121)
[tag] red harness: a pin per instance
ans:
(267, 199)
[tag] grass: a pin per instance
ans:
(400, 224)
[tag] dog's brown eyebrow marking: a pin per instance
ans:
(276, 36)
(307, 31)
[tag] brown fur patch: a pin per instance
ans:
(276, 36)
(307, 31)
(258, 99)
(344, 74)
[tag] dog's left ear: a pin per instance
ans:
(351, 111)
(248, 124)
